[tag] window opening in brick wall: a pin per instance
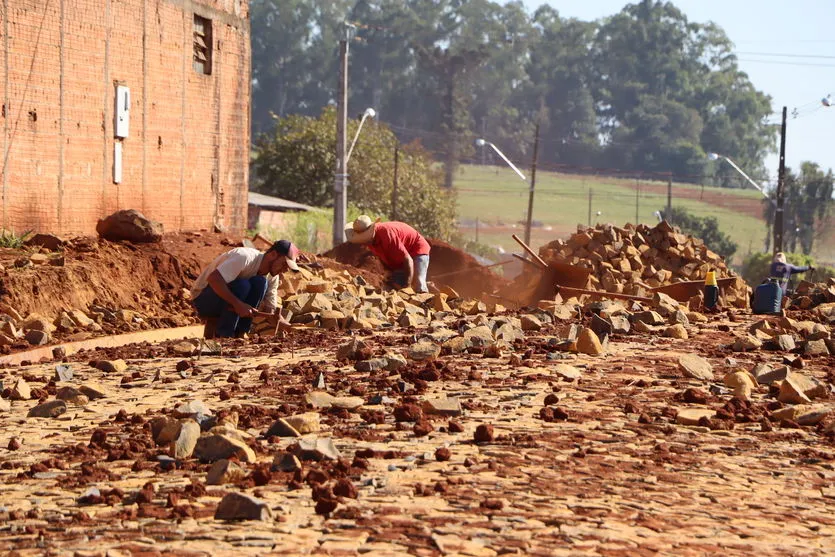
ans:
(202, 45)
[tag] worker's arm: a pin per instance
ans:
(409, 268)
(218, 284)
(793, 269)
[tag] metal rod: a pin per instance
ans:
(530, 252)
(527, 261)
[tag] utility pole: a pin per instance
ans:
(637, 199)
(394, 188)
(533, 186)
(340, 181)
(670, 198)
(781, 175)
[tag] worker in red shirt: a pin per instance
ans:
(399, 246)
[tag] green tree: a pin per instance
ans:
(807, 206)
(297, 159)
(705, 228)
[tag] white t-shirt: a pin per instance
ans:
(239, 263)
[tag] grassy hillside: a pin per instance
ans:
(499, 199)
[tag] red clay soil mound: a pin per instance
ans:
(357, 256)
(471, 280)
(148, 278)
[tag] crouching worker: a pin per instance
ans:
(782, 271)
(238, 282)
(399, 246)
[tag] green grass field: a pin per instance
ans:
(498, 198)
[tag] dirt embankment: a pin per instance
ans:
(448, 266)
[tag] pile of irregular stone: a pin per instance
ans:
(634, 260)
(338, 301)
(818, 296)
(37, 330)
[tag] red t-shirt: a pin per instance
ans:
(393, 241)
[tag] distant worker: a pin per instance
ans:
(399, 246)
(238, 282)
(782, 271)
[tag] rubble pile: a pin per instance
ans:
(817, 296)
(635, 260)
(337, 300)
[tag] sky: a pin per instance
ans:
(760, 30)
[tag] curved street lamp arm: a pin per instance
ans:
(505, 159)
(744, 175)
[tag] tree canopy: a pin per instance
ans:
(297, 160)
(644, 90)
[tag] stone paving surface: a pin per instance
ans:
(592, 465)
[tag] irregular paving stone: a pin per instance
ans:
(351, 350)
(566, 371)
(784, 343)
(210, 448)
(192, 409)
(803, 414)
(50, 409)
(816, 348)
(791, 392)
(317, 449)
(319, 399)
(63, 373)
(185, 348)
(237, 506)
(479, 336)
(319, 382)
(395, 362)
(421, 351)
(165, 430)
(678, 317)
(5, 405)
(347, 402)
(530, 323)
(676, 331)
(72, 395)
(309, 422)
(224, 471)
(742, 383)
(589, 343)
(457, 345)
(766, 375)
(285, 462)
(186, 439)
(281, 428)
(620, 324)
(374, 364)
(93, 391)
(695, 367)
(37, 338)
(112, 366)
(20, 391)
(651, 318)
(601, 327)
(746, 343)
(691, 416)
(443, 406)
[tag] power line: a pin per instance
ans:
(781, 63)
(820, 56)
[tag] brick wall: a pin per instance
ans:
(185, 161)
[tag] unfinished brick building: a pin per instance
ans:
(124, 104)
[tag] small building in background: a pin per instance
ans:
(265, 212)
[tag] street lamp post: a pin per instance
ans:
(716, 156)
(482, 143)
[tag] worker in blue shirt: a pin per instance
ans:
(782, 271)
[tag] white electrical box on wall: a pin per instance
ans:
(117, 162)
(121, 124)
